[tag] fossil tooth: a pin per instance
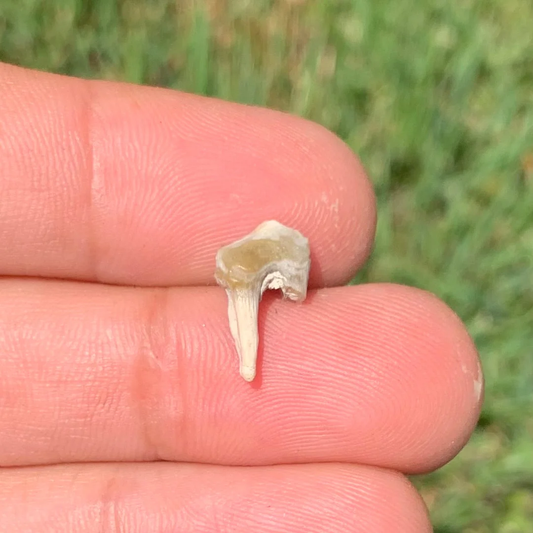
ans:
(273, 256)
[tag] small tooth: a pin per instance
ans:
(273, 256)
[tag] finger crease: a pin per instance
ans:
(159, 394)
(109, 518)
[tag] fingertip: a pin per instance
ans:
(465, 375)
(396, 362)
(444, 363)
(349, 200)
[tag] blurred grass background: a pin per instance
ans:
(436, 97)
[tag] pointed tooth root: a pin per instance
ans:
(243, 309)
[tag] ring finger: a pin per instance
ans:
(164, 497)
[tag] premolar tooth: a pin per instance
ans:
(273, 256)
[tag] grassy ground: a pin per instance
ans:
(437, 98)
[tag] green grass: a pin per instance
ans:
(436, 97)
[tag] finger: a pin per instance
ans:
(134, 185)
(168, 497)
(376, 374)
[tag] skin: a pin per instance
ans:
(121, 407)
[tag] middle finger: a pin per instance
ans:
(377, 374)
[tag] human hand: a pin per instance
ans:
(133, 190)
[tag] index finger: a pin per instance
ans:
(124, 184)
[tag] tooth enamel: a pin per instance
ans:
(273, 256)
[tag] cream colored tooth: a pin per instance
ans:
(273, 256)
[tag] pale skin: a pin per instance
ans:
(131, 188)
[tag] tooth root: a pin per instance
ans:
(243, 309)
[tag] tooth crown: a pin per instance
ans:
(273, 256)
